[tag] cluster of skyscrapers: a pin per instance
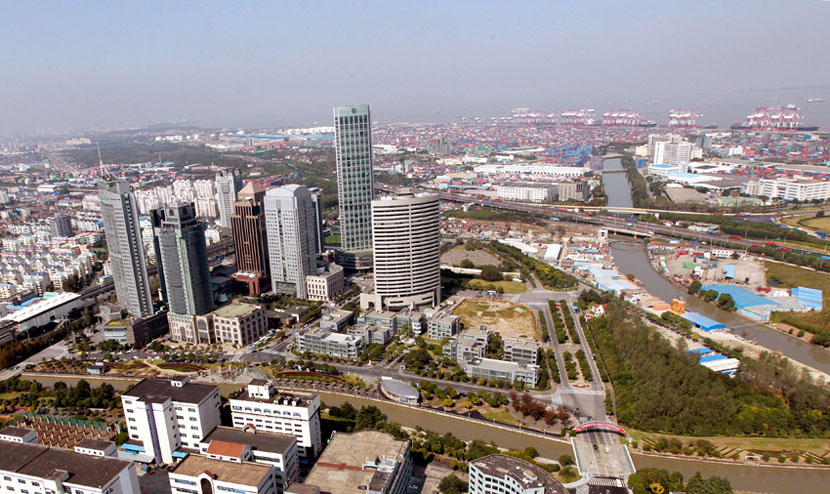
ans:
(277, 235)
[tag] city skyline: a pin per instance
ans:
(721, 59)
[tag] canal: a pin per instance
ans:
(746, 478)
(631, 258)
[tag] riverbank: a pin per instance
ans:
(739, 343)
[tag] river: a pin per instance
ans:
(746, 478)
(631, 258)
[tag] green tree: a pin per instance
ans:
(417, 358)
(490, 273)
(452, 485)
(467, 264)
(713, 485)
(726, 301)
(694, 287)
(566, 460)
(368, 417)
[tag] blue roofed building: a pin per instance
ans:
(810, 297)
(747, 303)
(702, 322)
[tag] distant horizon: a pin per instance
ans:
(255, 65)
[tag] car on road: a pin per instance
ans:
(607, 450)
(596, 448)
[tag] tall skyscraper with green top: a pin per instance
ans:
(355, 184)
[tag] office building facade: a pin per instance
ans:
(228, 184)
(319, 237)
(289, 222)
(165, 415)
(355, 181)
(184, 274)
(261, 407)
(406, 251)
(124, 245)
(250, 239)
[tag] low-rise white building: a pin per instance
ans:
(501, 370)
(790, 189)
(324, 342)
(263, 408)
(502, 474)
(326, 285)
(526, 193)
(199, 474)
(280, 451)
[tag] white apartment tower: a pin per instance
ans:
(289, 223)
(676, 151)
(228, 183)
(406, 250)
(125, 247)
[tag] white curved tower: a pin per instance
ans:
(406, 251)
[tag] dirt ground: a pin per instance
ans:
(478, 257)
(506, 318)
(744, 268)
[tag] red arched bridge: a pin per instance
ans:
(600, 426)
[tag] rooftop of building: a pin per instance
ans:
(501, 365)
(280, 398)
(528, 475)
(97, 444)
(245, 473)
(226, 448)
(399, 388)
(41, 461)
(521, 342)
(236, 309)
(189, 393)
(260, 441)
(14, 431)
(340, 469)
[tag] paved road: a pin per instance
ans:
(601, 454)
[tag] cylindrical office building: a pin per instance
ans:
(406, 250)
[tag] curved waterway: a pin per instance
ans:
(744, 478)
(631, 258)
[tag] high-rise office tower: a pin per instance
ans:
(249, 238)
(182, 259)
(228, 184)
(355, 183)
(126, 251)
(289, 220)
(62, 226)
(319, 239)
(407, 253)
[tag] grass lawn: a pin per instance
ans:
(509, 287)
(332, 240)
(501, 417)
(820, 224)
(792, 276)
(13, 395)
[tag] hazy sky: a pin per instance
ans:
(78, 64)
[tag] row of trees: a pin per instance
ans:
(659, 481)
(79, 397)
(661, 389)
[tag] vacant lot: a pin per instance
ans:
(478, 257)
(506, 318)
(791, 276)
(509, 287)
